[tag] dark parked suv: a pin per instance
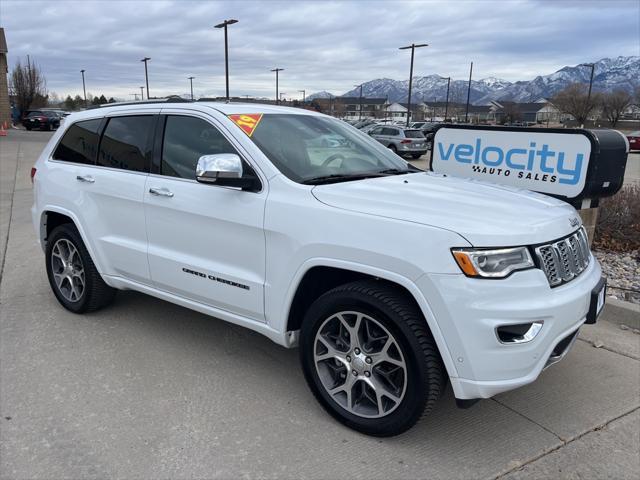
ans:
(41, 120)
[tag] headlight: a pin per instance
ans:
(494, 263)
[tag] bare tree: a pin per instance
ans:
(574, 100)
(29, 85)
(614, 104)
(636, 96)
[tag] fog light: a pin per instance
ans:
(519, 333)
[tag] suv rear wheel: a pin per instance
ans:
(73, 277)
(370, 359)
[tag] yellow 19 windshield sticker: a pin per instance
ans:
(247, 121)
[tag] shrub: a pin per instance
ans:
(618, 225)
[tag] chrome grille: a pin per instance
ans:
(565, 259)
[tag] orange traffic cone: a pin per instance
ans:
(3, 129)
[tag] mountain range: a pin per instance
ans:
(609, 74)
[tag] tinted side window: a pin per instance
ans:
(79, 143)
(390, 131)
(125, 143)
(186, 139)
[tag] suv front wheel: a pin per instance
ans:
(370, 359)
(73, 277)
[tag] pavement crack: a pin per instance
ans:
(609, 349)
(530, 419)
(564, 442)
(13, 195)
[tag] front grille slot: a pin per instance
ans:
(565, 259)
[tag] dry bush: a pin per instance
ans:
(618, 226)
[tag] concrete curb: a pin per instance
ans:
(622, 313)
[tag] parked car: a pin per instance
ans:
(403, 141)
(634, 140)
(392, 281)
(428, 129)
(41, 120)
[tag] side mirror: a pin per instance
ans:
(225, 169)
(213, 168)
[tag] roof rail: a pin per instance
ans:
(172, 99)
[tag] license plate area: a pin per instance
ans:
(597, 300)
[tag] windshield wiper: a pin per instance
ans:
(339, 177)
(393, 171)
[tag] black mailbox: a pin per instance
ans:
(576, 165)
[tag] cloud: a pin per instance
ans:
(321, 45)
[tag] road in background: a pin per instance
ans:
(147, 389)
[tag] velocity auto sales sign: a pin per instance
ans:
(546, 162)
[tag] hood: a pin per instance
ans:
(485, 214)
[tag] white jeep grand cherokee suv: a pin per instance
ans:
(294, 224)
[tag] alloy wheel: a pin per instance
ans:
(360, 364)
(68, 270)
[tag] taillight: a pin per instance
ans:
(33, 173)
(405, 141)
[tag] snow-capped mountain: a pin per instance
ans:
(322, 94)
(610, 74)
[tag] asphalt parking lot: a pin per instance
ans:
(147, 389)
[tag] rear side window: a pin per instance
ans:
(125, 143)
(390, 131)
(186, 139)
(79, 143)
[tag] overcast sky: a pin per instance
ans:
(321, 45)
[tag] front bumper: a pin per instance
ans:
(468, 311)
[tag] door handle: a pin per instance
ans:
(85, 178)
(160, 192)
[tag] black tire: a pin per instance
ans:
(393, 149)
(398, 313)
(96, 294)
(28, 128)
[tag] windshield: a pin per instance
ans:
(306, 148)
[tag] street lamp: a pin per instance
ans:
(277, 70)
(304, 95)
(191, 82)
(146, 75)
(84, 89)
(360, 112)
(226, 50)
(466, 113)
(413, 47)
(446, 103)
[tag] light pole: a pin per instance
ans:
(446, 103)
(360, 101)
(142, 92)
(226, 50)
(84, 89)
(146, 75)
(191, 82)
(413, 47)
(593, 67)
(277, 70)
(304, 95)
(466, 113)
